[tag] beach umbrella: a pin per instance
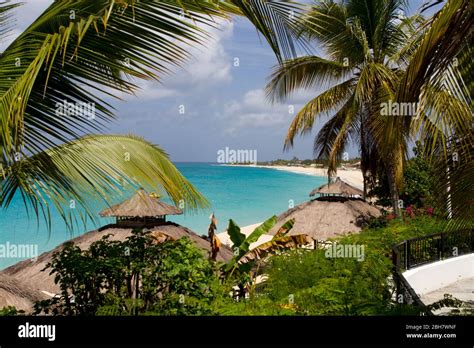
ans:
(322, 219)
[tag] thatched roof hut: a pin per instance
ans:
(335, 212)
(31, 272)
(141, 209)
(324, 219)
(337, 188)
(14, 292)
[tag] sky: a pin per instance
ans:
(224, 102)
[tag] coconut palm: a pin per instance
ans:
(82, 52)
(439, 79)
(362, 61)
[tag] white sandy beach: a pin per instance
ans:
(352, 177)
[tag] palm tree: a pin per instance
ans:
(439, 79)
(80, 51)
(362, 62)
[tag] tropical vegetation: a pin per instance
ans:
(419, 185)
(131, 277)
(374, 56)
(85, 53)
(139, 276)
(306, 282)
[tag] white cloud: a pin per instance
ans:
(155, 93)
(212, 63)
(254, 111)
(209, 65)
(149, 90)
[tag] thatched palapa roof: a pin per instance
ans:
(141, 205)
(338, 187)
(31, 271)
(323, 219)
(14, 292)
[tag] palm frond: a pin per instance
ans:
(91, 169)
(373, 77)
(325, 139)
(329, 23)
(324, 103)
(340, 140)
(6, 17)
(439, 78)
(75, 59)
(277, 21)
(277, 244)
(450, 28)
(303, 72)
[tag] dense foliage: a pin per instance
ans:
(132, 277)
(306, 282)
(418, 183)
(141, 277)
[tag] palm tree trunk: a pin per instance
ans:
(365, 179)
(392, 184)
(364, 153)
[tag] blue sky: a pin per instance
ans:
(224, 105)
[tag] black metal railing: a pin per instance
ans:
(423, 250)
(434, 247)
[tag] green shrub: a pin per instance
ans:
(10, 311)
(317, 285)
(136, 276)
(306, 282)
(418, 183)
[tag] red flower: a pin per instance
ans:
(410, 211)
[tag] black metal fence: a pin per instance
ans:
(434, 247)
(423, 250)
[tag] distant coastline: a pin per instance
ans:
(352, 176)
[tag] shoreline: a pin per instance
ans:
(351, 176)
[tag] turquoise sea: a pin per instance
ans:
(246, 194)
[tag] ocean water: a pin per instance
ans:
(245, 194)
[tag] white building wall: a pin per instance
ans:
(433, 276)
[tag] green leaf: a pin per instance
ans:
(94, 167)
(257, 233)
(236, 236)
